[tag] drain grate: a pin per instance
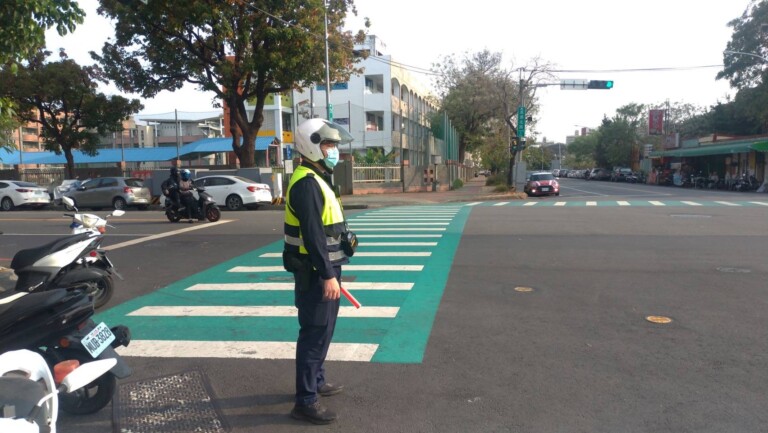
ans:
(179, 403)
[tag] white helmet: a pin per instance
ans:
(312, 132)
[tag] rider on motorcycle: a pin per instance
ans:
(186, 187)
(170, 187)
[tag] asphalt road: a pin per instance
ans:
(541, 327)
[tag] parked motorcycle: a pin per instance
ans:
(57, 325)
(746, 183)
(74, 261)
(29, 391)
(205, 208)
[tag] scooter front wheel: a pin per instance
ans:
(212, 213)
(90, 398)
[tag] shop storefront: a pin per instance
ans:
(716, 163)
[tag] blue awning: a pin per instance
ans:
(131, 154)
(214, 145)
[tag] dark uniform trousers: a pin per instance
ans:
(317, 321)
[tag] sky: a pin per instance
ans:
(599, 38)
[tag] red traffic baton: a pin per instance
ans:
(349, 297)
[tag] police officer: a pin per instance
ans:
(316, 245)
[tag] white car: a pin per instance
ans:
(17, 193)
(235, 192)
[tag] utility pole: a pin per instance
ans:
(328, 105)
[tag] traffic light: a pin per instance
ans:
(600, 84)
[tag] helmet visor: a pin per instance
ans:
(333, 132)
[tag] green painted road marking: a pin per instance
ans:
(624, 203)
(401, 339)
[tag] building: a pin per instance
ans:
(386, 108)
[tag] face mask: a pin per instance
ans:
(333, 157)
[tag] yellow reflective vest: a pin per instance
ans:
(333, 218)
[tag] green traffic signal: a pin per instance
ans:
(600, 84)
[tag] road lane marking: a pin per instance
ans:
(623, 203)
(656, 203)
(254, 311)
(366, 223)
(503, 203)
(474, 204)
(369, 219)
(163, 235)
(241, 349)
(369, 254)
(531, 203)
(396, 229)
(759, 202)
(691, 203)
(402, 236)
(559, 203)
(726, 203)
(353, 285)
(402, 268)
(591, 203)
(398, 244)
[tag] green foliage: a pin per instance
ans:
(374, 156)
(457, 184)
(537, 158)
(499, 178)
(23, 24)
(501, 187)
(746, 70)
(236, 50)
(61, 97)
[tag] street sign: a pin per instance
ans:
(521, 121)
(571, 84)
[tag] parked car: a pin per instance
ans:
(621, 174)
(117, 192)
(57, 191)
(17, 193)
(599, 174)
(236, 192)
(541, 183)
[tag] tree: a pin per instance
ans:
(61, 97)
(537, 157)
(477, 90)
(22, 33)
(743, 66)
(581, 153)
(241, 50)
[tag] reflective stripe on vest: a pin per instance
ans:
(332, 216)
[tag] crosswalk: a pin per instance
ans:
(623, 203)
(243, 308)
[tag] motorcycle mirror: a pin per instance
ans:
(87, 373)
(118, 212)
(68, 201)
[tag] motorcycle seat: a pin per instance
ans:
(28, 257)
(21, 307)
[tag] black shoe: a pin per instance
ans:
(329, 389)
(314, 413)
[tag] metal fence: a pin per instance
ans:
(375, 173)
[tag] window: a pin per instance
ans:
(374, 84)
(105, 183)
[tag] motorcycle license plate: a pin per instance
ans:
(98, 339)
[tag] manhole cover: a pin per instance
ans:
(663, 320)
(178, 403)
(734, 270)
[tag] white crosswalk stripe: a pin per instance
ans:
(254, 311)
(241, 349)
(351, 285)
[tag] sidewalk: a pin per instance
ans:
(474, 190)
